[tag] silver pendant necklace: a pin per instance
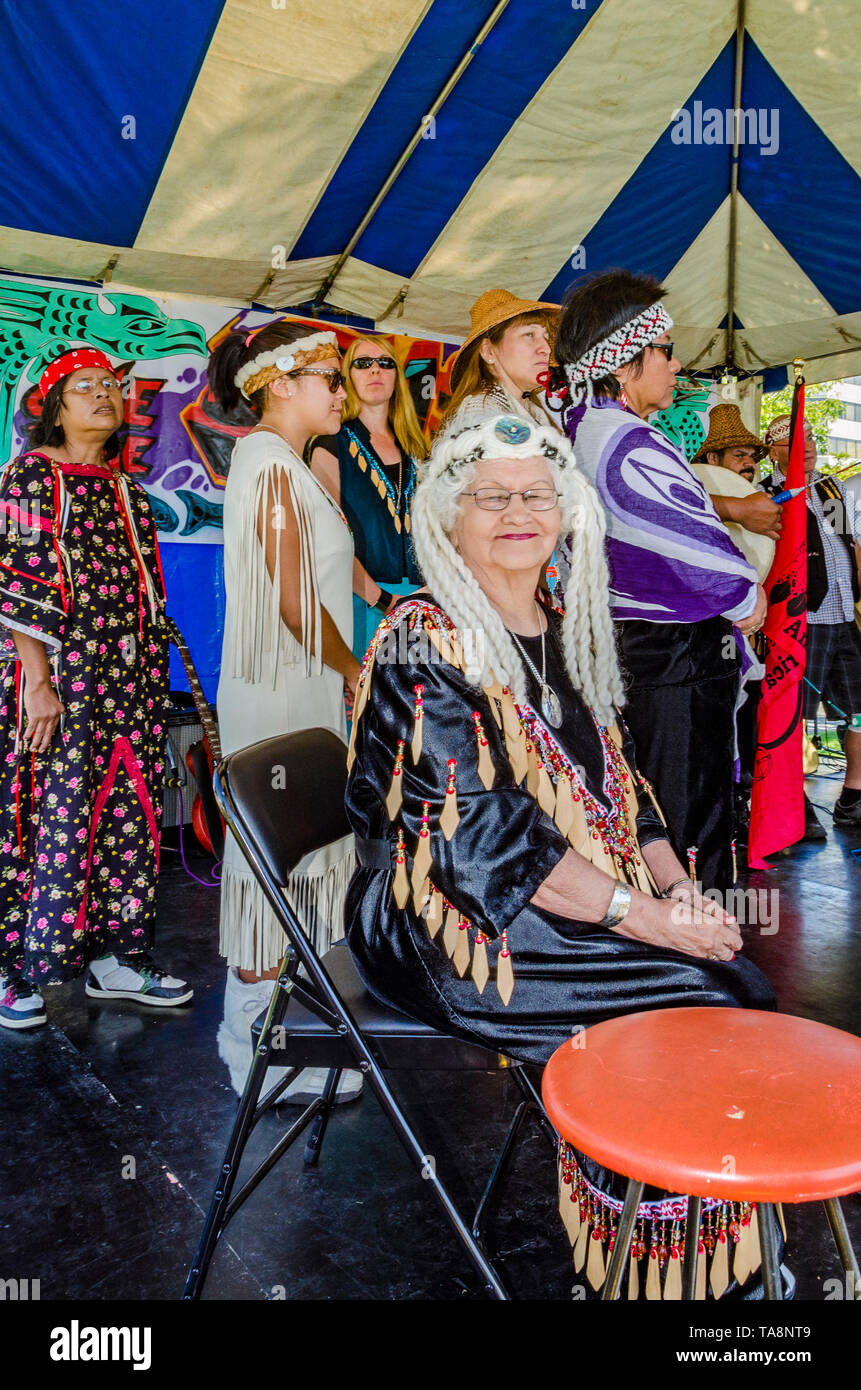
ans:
(550, 706)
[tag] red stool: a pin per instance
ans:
(663, 1097)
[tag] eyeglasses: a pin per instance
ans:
(385, 364)
(492, 499)
(336, 380)
(665, 348)
(86, 385)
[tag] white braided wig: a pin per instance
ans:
(587, 628)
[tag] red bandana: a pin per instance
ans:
(72, 362)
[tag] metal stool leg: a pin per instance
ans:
(692, 1246)
(772, 1283)
(843, 1241)
(624, 1231)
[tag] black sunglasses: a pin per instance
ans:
(336, 380)
(665, 348)
(385, 364)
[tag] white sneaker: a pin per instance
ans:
(21, 1006)
(135, 977)
(242, 1004)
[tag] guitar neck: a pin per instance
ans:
(204, 713)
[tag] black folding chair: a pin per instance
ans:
(284, 798)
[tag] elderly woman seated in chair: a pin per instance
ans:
(515, 881)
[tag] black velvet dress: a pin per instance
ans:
(567, 973)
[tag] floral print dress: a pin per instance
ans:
(79, 824)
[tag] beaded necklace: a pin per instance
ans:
(611, 828)
(366, 461)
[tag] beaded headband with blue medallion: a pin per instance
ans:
(504, 436)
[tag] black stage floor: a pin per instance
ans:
(114, 1119)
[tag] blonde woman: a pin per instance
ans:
(369, 467)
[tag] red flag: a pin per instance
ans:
(777, 799)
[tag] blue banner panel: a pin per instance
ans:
(194, 581)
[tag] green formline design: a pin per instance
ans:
(39, 322)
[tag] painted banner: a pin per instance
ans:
(176, 439)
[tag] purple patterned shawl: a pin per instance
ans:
(670, 556)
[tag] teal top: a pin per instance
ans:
(375, 498)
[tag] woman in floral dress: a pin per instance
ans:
(83, 681)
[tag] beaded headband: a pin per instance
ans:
(778, 431)
(619, 347)
(268, 365)
(504, 436)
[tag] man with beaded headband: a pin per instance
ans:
(681, 593)
(515, 882)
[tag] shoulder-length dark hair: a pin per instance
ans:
(596, 306)
(47, 430)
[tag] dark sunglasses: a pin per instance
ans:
(385, 364)
(336, 380)
(665, 348)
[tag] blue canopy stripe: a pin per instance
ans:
(232, 150)
(92, 99)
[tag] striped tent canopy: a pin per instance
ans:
(391, 160)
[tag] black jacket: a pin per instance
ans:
(817, 574)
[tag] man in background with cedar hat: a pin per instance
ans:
(730, 445)
(726, 464)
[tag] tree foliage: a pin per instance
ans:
(821, 406)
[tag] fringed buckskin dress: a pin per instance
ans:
(462, 802)
(270, 684)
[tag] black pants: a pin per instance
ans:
(683, 682)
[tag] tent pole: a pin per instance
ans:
(733, 187)
(372, 210)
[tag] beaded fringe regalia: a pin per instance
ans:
(729, 1247)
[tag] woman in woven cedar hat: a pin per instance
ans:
(496, 371)
(678, 586)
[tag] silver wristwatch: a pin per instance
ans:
(618, 908)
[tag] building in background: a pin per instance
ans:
(844, 438)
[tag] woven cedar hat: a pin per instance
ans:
(490, 310)
(727, 431)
